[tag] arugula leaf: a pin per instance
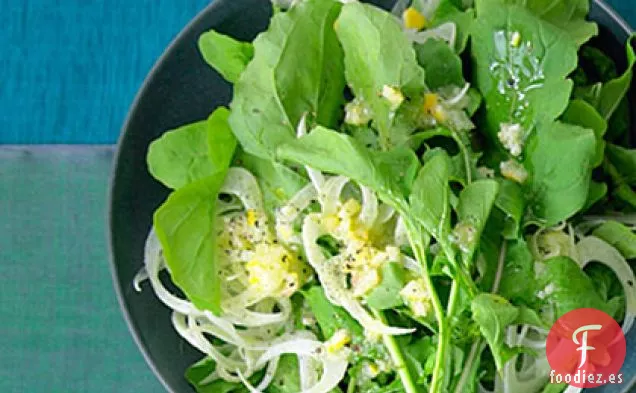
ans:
(528, 316)
(330, 318)
(518, 281)
(512, 203)
(583, 114)
(227, 56)
(199, 371)
(185, 227)
(594, 66)
(192, 152)
(430, 199)
(619, 237)
(387, 173)
(387, 294)
(558, 184)
(294, 71)
(614, 91)
(442, 66)
(493, 314)
(523, 81)
(624, 160)
(287, 377)
(278, 182)
(378, 54)
(475, 204)
(569, 15)
(597, 192)
(420, 358)
(569, 287)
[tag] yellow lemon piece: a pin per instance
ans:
(338, 341)
(331, 222)
(413, 19)
(430, 101)
(251, 217)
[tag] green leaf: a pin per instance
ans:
(624, 160)
(518, 282)
(569, 287)
(569, 15)
(389, 174)
(297, 69)
(185, 227)
(475, 203)
(583, 114)
(595, 66)
(226, 55)
(420, 358)
(287, 377)
(330, 318)
(278, 182)
(192, 152)
(558, 183)
(615, 90)
(597, 192)
(430, 199)
(522, 83)
(619, 237)
(528, 316)
(512, 203)
(199, 371)
(493, 314)
(441, 64)
(378, 54)
(387, 294)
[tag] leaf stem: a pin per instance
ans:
(398, 359)
(478, 345)
(418, 245)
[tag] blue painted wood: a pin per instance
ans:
(69, 69)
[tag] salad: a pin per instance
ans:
(398, 200)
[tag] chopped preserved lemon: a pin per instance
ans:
(251, 217)
(357, 113)
(417, 297)
(331, 222)
(433, 107)
(515, 40)
(511, 137)
(413, 19)
(338, 341)
(439, 114)
(393, 95)
(362, 282)
(513, 170)
(274, 270)
(351, 208)
(430, 101)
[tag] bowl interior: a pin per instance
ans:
(182, 89)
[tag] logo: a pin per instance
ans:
(586, 348)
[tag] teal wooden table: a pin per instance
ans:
(69, 70)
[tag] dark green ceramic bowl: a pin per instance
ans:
(181, 89)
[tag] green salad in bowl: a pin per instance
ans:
(397, 201)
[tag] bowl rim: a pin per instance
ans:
(133, 108)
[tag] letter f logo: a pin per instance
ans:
(584, 347)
